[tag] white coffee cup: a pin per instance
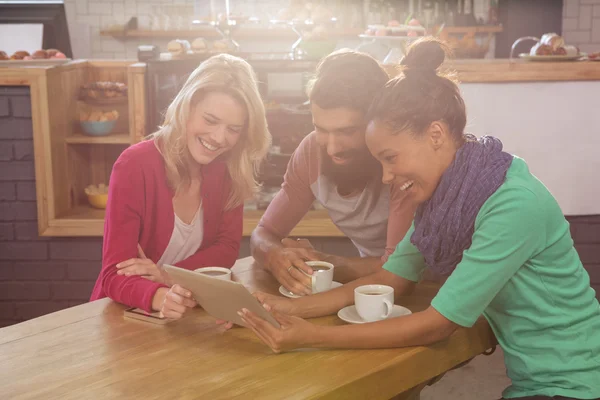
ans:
(374, 302)
(215, 272)
(322, 275)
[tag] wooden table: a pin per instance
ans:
(92, 352)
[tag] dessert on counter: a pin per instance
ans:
(552, 44)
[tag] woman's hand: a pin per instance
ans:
(276, 303)
(145, 268)
(225, 324)
(293, 333)
(174, 302)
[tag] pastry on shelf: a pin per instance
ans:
(199, 46)
(98, 116)
(103, 92)
(40, 55)
(98, 123)
(178, 47)
(53, 53)
(19, 55)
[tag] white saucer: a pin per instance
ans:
(350, 315)
(291, 295)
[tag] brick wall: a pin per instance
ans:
(586, 234)
(581, 24)
(37, 275)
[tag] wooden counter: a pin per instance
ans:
(67, 161)
(504, 70)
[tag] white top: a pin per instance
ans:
(185, 239)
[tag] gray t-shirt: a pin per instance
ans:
(375, 220)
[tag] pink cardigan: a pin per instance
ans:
(140, 210)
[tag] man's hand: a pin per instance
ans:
(287, 264)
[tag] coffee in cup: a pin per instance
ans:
(374, 302)
(215, 272)
(322, 275)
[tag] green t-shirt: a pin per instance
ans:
(524, 275)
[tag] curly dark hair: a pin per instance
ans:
(346, 78)
(421, 94)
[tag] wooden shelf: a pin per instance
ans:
(248, 33)
(280, 33)
(474, 29)
(79, 221)
(115, 138)
(85, 212)
(503, 70)
(87, 221)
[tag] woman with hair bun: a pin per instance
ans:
(487, 224)
(177, 197)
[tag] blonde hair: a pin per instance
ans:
(235, 77)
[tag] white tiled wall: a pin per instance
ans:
(581, 24)
(87, 17)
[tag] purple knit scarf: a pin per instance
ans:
(444, 224)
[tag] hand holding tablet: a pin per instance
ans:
(220, 298)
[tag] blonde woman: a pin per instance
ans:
(177, 197)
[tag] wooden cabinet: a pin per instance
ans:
(66, 159)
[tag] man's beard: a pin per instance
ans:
(362, 169)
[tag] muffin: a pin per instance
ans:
(19, 55)
(40, 55)
(178, 47)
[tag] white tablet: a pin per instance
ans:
(220, 298)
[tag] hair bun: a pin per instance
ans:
(425, 56)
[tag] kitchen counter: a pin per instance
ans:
(504, 70)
